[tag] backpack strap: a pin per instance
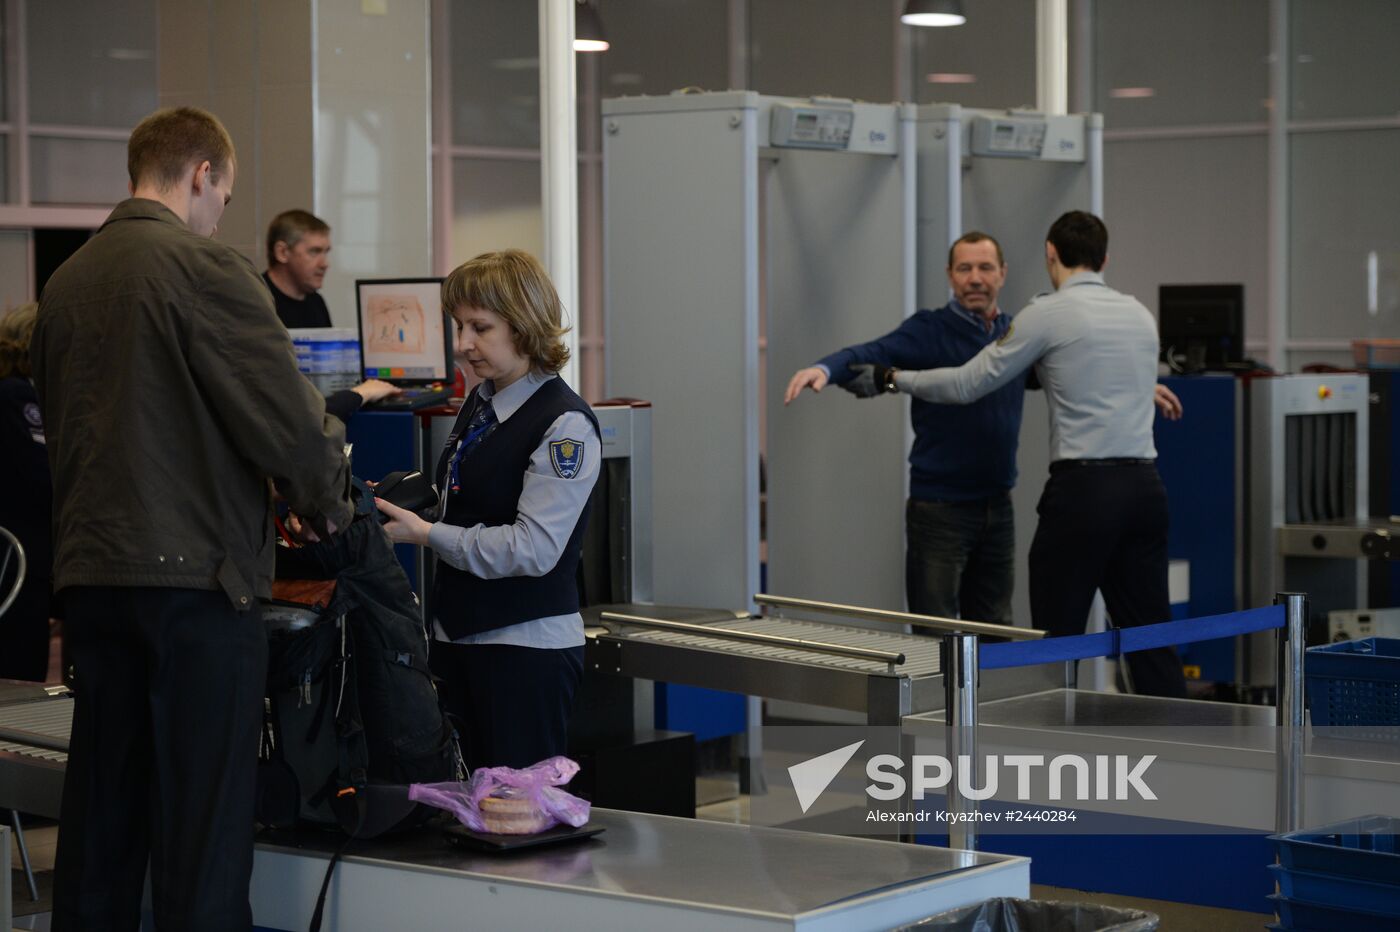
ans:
(317, 916)
(352, 752)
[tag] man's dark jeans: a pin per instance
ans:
(960, 558)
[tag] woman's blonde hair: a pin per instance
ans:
(513, 284)
(16, 331)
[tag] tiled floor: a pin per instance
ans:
(1176, 917)
(41, 841)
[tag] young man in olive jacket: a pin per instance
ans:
(171, 397)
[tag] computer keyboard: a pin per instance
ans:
(411, 399)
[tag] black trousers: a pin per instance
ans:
(1105, 527)
(513, 702)
(168, 706)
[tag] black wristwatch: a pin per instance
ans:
(889, 385)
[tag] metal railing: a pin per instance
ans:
(14, 548)
(960, 665)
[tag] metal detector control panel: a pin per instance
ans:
(811, 126)
(1029, 136)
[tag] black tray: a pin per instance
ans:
(464, 837)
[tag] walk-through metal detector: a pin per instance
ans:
(818, 224)
(1009, 173)
(729, 216)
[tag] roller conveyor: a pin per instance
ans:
(920, 653)
(885, 690)
(37, 729)
(34, 725)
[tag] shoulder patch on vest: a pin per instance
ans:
(566, 456)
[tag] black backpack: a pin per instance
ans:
(353, 716)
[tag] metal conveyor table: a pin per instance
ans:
(643, 871)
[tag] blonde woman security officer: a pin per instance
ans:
(515, 479)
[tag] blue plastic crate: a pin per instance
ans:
(1313, 917)
(1355, 683)
(1329, 890)
(1359, 849)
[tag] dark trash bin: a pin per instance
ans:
(1011, 915)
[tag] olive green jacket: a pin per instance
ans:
(171, 396)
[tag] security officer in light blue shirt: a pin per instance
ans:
(1103, 514)
(515, 478)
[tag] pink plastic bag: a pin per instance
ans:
(539, 783)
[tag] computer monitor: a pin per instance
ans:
(1201, 326)
(404, 335)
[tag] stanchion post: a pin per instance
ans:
(1288, 714)
(960, 697)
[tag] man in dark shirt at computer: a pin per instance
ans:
(298, 255)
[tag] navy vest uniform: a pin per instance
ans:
(490, 478)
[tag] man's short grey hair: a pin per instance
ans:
(289, 227)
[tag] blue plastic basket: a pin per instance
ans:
(1358, 849)
(1329, 890)
(1314, 917)
(1354, 684)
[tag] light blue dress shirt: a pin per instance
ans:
(1095, 353)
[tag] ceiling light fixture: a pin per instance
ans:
(933, 13)
(588, 29)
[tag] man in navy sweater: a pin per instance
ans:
(960, 532)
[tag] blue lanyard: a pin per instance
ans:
(467, 441)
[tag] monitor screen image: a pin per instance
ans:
(404, 336)
(1201, 326)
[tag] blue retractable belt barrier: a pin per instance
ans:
(1127, 640)
(1048, 650)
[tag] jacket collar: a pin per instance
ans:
(142, 208)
